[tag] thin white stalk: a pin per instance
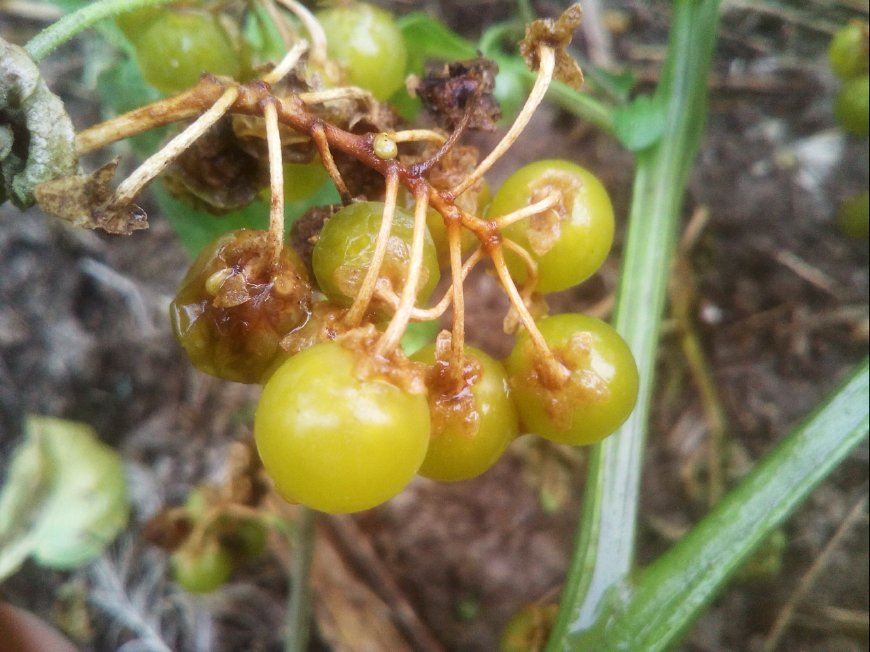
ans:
(393, 335)
(341, 93)
(160, 160)
(417, 135)
(542, 83)
(364, 296)
(286, 64)
(428, 314)
(276, 183)
(528, 211)
(454, 243)
(315, 31)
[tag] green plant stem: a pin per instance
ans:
(604, 554)
(299, 606)
(670, 594)
(58, 33)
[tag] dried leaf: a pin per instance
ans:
(555, 34)
(216, 174)
(450, 91)
(85, 200)
(37, 138)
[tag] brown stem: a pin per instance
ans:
(318, 135)
(188, 104)
(157, 162)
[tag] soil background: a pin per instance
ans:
(780, 307)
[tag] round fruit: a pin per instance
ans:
(570, 240)
(233, 308)
(335, 434)
(852, 106)
(134, 23)
(178, 46)
(366, 41)
(344, 252)
(473, 417)
(847, 52)
(203, 569)
(853, 218)
(302, 180)
(597, 396)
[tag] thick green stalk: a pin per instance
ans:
(299, 605)
(604, 552)
(58, 33)
(668, 596)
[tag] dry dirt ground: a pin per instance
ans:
(780, 308)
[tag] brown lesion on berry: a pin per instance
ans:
(451, 402)
(565, 379)
(545, 227)
(234, 307)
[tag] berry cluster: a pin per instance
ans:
(847, 55)
(346, 418)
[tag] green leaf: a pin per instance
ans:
(427, 38)
(640, 124)
(65, 497)
(37, 137)
(197, 228)
(668, 596)
(123, 89)
(262, 36)
(418, 335)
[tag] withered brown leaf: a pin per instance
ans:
(451, 90)
(216, 173)
(556, 34)
(85, 200)
(37, 138)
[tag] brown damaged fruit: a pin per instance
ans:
(234, 306)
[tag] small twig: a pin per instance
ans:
(278, 21)
(315, 31)
(542, 82)
(318, 135)
(783, 620)
(531, 281)
(332, 94)
(428, 314)
(417, 135)
(276, 184)
(156, 163)
(393, 335)
(369, 283)
(360, 553)
(457, 341)
(186, 105)
(556, 371)
(528, 211)
(683, 294)
(287, 63)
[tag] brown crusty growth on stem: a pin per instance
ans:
(556, 34)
